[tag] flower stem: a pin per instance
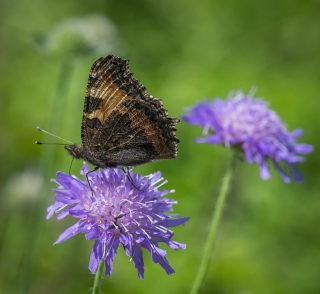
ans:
(205, 262)
(97, 280)
(37, 216)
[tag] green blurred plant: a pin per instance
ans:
(89, 35)
(71, 39)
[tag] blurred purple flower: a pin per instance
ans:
(247, 123)
(117, 212)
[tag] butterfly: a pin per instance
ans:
(122, 125)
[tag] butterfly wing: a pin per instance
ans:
(123, 125)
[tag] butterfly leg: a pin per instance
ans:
(71, 166)
(90, 171)
(127, 173)
(72, 175)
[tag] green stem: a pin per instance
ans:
(46, 167)
(97, 280)
(55, 121)
(205, 262)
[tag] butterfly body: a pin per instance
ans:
(122, 124)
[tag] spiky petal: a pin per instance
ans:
(247, 123)
(131, 212)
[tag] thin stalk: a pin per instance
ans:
(37, 216)
(97, 280)
(206, 258)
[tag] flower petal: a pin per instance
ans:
(214, 139)
(116, 212)
(95, 256)
(138, 260)
(68, 233)
(248, 124)
(111, 254)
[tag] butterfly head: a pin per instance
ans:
(74, 150)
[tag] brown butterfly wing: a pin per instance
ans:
(123, 125)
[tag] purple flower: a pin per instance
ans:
(117, 212)
(247, 123)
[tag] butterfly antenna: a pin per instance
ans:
(44, 131)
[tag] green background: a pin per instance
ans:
(182, 51)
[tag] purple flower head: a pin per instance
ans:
(117, 212)
(247, 123)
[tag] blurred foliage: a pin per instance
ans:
(182, 51)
